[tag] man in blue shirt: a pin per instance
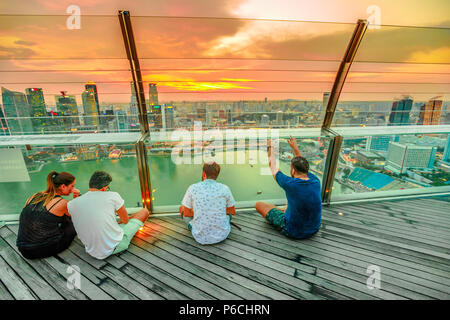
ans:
(303, 213)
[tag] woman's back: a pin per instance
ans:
(38, 226)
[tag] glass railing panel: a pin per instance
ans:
(240, 66)
(385, 163)
(400, 77)
(25, 165)
(74, 79)
(176, 159)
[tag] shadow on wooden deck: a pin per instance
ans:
(408, 241)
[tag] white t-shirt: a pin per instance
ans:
(209, 199)
(94, 218)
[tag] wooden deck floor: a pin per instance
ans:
(408, 240)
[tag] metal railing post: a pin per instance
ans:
(342, 72)
(141, 151)
(331, 164)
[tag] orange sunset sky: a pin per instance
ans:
(227, 50)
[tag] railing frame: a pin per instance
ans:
(141, 151)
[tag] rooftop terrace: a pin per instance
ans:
(407, 239)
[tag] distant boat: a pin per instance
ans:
(115, 154)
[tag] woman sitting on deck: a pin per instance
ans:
(45, 226)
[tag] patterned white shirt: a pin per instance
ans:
(209, 200)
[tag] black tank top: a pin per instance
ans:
(38, 227)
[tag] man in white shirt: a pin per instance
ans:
(94, 218)
(207, 207)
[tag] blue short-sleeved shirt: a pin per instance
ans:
(304, 211)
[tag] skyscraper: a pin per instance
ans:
(4, 129)
(36, 100)
(90, 108)
(446, 155)
(67, 105)
(91, 86)
(400, 112)
(430, 113)
(133, 105)
(153, 94)
(17, 112)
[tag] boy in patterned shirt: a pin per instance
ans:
(207, 207)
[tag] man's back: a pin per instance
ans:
(209, 200)
(94, 219)
(304, 211)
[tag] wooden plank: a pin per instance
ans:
(247, 288)
(111, 286)
(78, 248)
(361, 271)
(324, 286)
(287, 284)
(47, 272)
(4, 293)
(129, 284)
(392, 235)
(416, 267)
(238, 291)
(33, 280)
(345, 261)
(193, 280)
(142, 263)
(151, 283)
(366, 215)
(86, 286)
(16, 286)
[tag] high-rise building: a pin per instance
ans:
(67, 105)
(17, 112)
(134, 111)
(446, 155)
(153, 94)
(35, 97)
(4, 129)
(90, 108)
(400, 112)
(408, 156)
(91, 86)
(168, 116)
(430, 113)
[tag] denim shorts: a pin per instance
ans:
(276, 218)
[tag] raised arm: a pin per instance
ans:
(293, 144)
(272, 162)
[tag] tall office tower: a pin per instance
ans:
(91, 86)
(408, 156)
(400, 112)
(17, 112)
(265, 120)
(421, 115)
(90, 108)
(432, 111)
(35, 98)
(134, 111)
(67, 105)
(4, 129)
(380, 143)
(153, 94)
(279, 119)
(168, 117)
(446, 155)
(325, 98)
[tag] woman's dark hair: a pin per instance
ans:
(54, 181)
(100, 179)
(300, 164)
